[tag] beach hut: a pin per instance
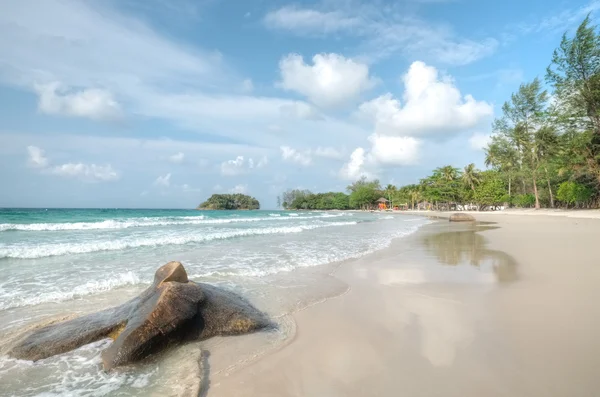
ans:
(382, 203)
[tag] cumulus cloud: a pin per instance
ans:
(37, 159)
(385, 151)
(163, 181)
(177, 158)
(355, 168)
(330, 81)
(88, 172)
(479, 141)
(92, 103)
(394, 150)
(295, 156)
(432, 105)
(82, 171)
(240, 165)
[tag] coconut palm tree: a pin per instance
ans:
(470, 176)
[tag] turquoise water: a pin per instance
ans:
(60, 261)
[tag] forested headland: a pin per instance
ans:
(544, 150)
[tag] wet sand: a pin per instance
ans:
(509, 309)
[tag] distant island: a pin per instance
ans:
(230, 202)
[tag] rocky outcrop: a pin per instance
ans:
(458, 217)
(172, 310)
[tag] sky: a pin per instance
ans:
(162, 103)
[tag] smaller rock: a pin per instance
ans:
(458, 217)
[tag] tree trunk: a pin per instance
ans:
(535, 192)
(549, 188)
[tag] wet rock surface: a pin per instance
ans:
(172, 310)
(458, 217)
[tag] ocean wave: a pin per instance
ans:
(315, 258)
(57, 249)
(148, 222)
(89, 288)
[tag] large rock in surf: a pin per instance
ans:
(458, 217)
(172, 310)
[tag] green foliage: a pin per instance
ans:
(524, 200)
(491, 191)
(363, 182)
(294, 195)
(320, 201)
(364, 196)
(230, 202)
(573, 193)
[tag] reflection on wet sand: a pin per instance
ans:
(468, 247)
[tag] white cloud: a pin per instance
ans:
(308, 21)
(328, 152)
(431, 106)
(394, 150)
(331, 80)
(82, 171)
(86, 172)
(217, 188)
(177, 158)
(301, 157)
(355, 168)
(243, 189)
(479, 141)
(37, 159)
(164, 181)
(464, 52)
(382, 31)
(151, 76)
(240, 165)
(93, 103)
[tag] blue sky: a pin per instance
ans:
(159, 103)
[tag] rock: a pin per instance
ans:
(172, 310)
(458, 217)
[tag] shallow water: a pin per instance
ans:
(58, 262)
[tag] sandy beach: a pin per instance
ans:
(502, 309)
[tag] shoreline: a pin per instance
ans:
(454, 310)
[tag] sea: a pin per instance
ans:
(57, 262)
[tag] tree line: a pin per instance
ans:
(544, 150)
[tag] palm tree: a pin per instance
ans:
(389, 192)
(470, 176)
(447, 173)
(415, 196)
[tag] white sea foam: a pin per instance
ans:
(303, 258)
(12, 300)
(148, 222)
(54, 249)
(73, 374)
